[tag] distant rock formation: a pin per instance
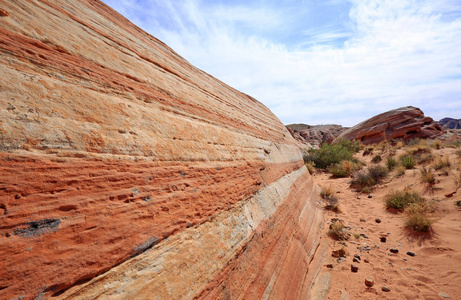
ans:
(450, 123)
(403, 123)
(128, 173)
(315, 135)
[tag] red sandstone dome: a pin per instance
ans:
(402, 123)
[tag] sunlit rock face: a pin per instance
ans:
(403, 123)
(128, 173)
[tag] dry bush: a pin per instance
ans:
(419, 218)
(399, 144)
(437, 144)
(310, 167)
(338, 231)
(400, 171)
(364, 180)
(402, 199)
(326, 192)
(343, 169)
(427, 177)
(441, 162)
(458, 153)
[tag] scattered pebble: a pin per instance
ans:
(356, 260)
(362, 220)
(354, 268)
(358, 197)
(383, 239)
(364, 235)
(18, 196)
(329, 266)
(394, 250)
(385, 289)
(369, 282)
(366, 260)
(370, 196)
(409, 269)
(411, 253)
(378, 220)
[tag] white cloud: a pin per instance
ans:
(388, 54)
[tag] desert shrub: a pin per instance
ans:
(338, 232)
(310, 167)
(425, 158)
(365, 179)
(335, 153)
(326, 192)
(400, 171)
(376, 159)
(402, 199)
(427, 177)
(343, 169)
(408, 161)
(377, 173)
(441, 162)
(332, 203)
(418, 218)
(391, 163)
(437, 144)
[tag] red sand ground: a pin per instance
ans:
(435, 269)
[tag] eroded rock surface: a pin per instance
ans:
(402, 123)
(128, 173)
(315, 135)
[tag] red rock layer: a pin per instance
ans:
(115, 150)
(403, 123)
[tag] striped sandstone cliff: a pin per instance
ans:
(126, 172)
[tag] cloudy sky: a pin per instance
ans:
(319, 61)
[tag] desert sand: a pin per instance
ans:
(434, 273)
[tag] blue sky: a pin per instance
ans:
(319, 62)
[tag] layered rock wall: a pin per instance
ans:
(126, 172)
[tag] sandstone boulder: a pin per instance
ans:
(127, 173)
(403, 123)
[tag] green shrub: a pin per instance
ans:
(402, 199)
(332, 154)
(310, 167)
(408, 161)
(391, 163)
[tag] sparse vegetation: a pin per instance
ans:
(441, 162)
(326, 192)
(408, 161)
(458, 153)
(391, 163)
(368, 151)
(331, 202)
(364, 180)
(400, 171)
(437, 144)
(427, 178)
(338, 232)
(343, 169)
(310, 167)
(425, 158)
(401, 199)
(418, 218)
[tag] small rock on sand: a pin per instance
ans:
(377, 220)
(369, 282)
(385, 289)
(354, 268)
(443, 295)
